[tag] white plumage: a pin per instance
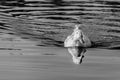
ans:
(77, 38)
(76, 44)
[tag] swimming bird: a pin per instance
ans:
(77, 43)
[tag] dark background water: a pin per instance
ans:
(50, 21)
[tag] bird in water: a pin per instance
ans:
(76, 43)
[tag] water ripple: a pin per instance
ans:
(51, 21)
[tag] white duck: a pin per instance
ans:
(76, 44)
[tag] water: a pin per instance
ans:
(50, 22)
(26, 28)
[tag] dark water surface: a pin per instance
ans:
(50, 21)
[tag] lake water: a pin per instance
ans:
(30, 32)
(50, 21)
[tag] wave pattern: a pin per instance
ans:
(50, 22)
